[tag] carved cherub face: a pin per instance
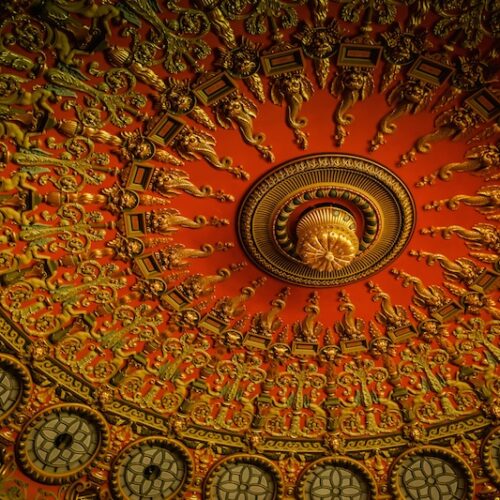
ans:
(495, 196)
(292, 84)
(462, 119)
(177, 98)
(183, 102)
(382, 346)
(415, 91)
(190, 317)
(402, 52)
(190, 141)
(129, 199)
(321, 45)
(28, 36)
(490, 156)
(354, 79)
(243, 63)
(470, 74)
(141, 149)
(429, 330)
(233, 107)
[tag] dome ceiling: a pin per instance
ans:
(249, 249)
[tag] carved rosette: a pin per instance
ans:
(327, 239)
(300, 222)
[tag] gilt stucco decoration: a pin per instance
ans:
(249, 249)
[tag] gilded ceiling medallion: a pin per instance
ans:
(326, 220)
(60, 443)
(143, 354)
(153, 467)
(431, 472)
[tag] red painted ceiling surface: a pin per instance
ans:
(270, 120)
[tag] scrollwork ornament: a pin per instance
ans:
(351, 85)
(293, 88)
(452, 124)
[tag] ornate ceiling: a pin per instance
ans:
(249, 249)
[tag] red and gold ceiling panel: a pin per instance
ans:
(249, 249)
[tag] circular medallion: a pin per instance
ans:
(151, 468)
(431, 473)
(491, 455)
(15, 386)
(336, 479)
(243, 477)
(61, 442)
(323, 209)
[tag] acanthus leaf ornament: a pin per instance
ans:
(320, 43)
(178, 98)
(452, 124)
(243, 61)
(354, 80)
(114, 305)
(486, 201)
(481, 159)
(400, 48)
(192, 144)
(479, 237)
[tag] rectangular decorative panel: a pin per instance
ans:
(257, 341)
(175, 299)
(355, 54)
(485, 104)
(148, 265)
(282, 62)
(430, 71)
(447, 311)
(402, 333)
(304, 348)
(140, 177)
(135, 223)
(215, 88)
(164, 129)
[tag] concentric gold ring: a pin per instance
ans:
(385, 204)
